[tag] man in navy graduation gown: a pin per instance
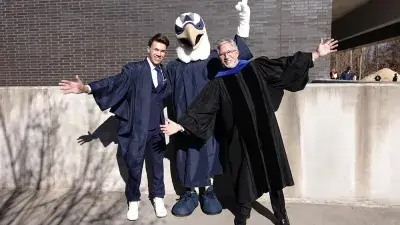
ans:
(239, 105)
(136, 97)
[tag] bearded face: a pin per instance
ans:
(190, 30)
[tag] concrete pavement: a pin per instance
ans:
(93, 207)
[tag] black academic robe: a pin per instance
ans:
(243, 106)
(128, 96)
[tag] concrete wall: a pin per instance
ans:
(341, 140)
(42, 42)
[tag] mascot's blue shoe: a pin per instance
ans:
(186, 204)
(209, 202)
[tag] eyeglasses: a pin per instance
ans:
(224, 54)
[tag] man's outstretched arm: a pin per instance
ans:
(291, 72)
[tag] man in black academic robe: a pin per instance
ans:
(136, 96)
(239, 105)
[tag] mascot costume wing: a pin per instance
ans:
(197, 162)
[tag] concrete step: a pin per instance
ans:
(93, 207)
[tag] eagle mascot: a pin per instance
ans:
(197, 161)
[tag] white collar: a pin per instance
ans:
(152, 66)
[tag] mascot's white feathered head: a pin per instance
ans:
(191, 33)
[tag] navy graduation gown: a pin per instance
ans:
(197, 160)
(128, 94)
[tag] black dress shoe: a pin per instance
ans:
(240, 221)
(283, 221)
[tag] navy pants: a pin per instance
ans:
(154, 155)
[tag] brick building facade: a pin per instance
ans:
(43, 41)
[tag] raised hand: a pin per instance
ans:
(327, 47)
(244, 19)
(68, 87)
(170, 127)
(242, 7)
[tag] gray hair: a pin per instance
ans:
(226, 40)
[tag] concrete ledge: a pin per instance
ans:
(341, 140)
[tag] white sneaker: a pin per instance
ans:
(133, 211)
(159, 207)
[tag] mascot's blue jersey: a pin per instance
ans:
(196, 160)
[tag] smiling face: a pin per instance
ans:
(228, 55)
(190, 29)
(157, 52)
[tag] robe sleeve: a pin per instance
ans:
(244, 51)
(168, 100)
(109, 92)
(289, 73)
(199, 118)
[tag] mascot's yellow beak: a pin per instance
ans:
(191, 36)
